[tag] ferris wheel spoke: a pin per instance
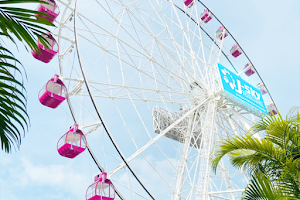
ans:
(99, 115)
(172, 37)
(133, 65)
(67, 5)
(213, 55)
(183, 164)
(65, 38)
(167, 53)
(93, 127)
(202, 45)
(126, 44)
(231, 123)
(221, 121)
(158, 100)
(234, 123)
(240, 118)
(206, 141)
(154, 144)
(140, 95)
(152, 141)
(193, 37)
(225, 178)
(132, 138)
(179, 24)
(228, 174)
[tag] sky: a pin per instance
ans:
(268, 31)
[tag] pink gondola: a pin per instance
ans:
(53, 93)
(50, 8)
(262, 88)
(235, 50)
(271, 109)
(46, 54)
(72, 143)
(206, 16)
(219, 32)
(249, 69)
(101, 189)
(189, 3)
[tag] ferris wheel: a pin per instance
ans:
(153, 79)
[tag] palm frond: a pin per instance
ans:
(247, 152)
(261, 188)
(13, 114)
(23, 23)
(274, 160)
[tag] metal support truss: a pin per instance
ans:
(162, 133)
(187, 137)
(163, 118)
(205, 149)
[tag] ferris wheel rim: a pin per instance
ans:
(96, 108)
(101, 169)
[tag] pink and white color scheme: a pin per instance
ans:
(271, 109)
(250, 69)
(53, 93)
(72, 143)
(206, 16)
(189, 3)
(235, 50)
(101, 189)
(262, 88)
(50, 8)
(46, 54)
(220, 34)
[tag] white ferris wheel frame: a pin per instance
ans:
(208, 128)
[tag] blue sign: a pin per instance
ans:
(241, 92)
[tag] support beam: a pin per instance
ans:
(206, 147)
(245, 124)
(138, 152)
(227, 191)
(183, 160)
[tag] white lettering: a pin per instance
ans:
(252, 92)
(247, 89)
(239, 90)
(257, 96)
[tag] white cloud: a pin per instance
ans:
(60, 181)
(64, 177)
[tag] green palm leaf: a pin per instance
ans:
(22, 24)
(261, 188)
(274, 160)
(13, 114)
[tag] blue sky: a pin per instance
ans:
(267, 30)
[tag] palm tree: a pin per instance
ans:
(273, 161)
(16, 24)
